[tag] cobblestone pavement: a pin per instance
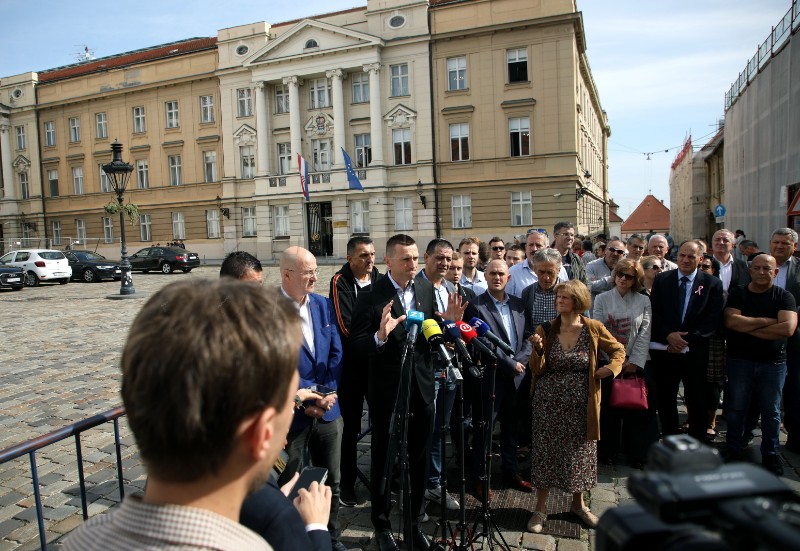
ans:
(59, 364)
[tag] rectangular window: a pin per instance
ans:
(457, 73)
(20, 132)
(284, 158)
(321, 155)
(210, 166)
(145, 228)
(360, 88)
(212, 223)
(101, 125)
(24, 191)
(77, 180)
(459, 142)
(359, 216)
(248, 161)
(402, 214)
(178, 226)
(139, 123)
(282, 98)
(462, 211)
(175, 170)
(27, 230)
(80, 230)
(74, 129)
(105, 184)
(56, 232)
(519, 132)
(248, 221)
(52, 180)
(517, 65)
(171, 108)
(521, 208)
(363, 150)
(244, 102)
(401, 139)
(320, 93)
(108, 230)
(280, 218)
(49, 134)
(399, 79)
(206, 108)
(142, 174)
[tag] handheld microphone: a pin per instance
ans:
(453, 335)
(414, 321)
(432, 333)
(471, 337)
(482, 329)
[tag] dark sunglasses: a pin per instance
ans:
(627, 277)
(498, 248)
(615, 251)
(706, 266)
(655, 267)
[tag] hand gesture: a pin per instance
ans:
(388, 323)
(455, 308)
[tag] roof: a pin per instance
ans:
(319, 16)
(651, 214)
(614, 217)
(435, 3)
(163, 51)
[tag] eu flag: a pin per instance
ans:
(352, 179)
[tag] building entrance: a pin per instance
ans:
(320, 228)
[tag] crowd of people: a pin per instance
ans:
(287, 370)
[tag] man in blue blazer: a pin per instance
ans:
(687, 310)
(317, 429)
(505, 315)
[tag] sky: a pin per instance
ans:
(661, 68)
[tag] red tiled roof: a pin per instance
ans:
(614, 217)
(340, 12)
(129, 58)
(650, 215)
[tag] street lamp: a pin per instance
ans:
(118, 172)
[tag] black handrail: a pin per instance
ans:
(31, 446)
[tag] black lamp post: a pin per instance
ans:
(118, 172)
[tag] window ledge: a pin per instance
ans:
(524, 102)
(457, 92)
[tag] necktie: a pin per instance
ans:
(682, 295)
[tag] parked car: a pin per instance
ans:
(11, 277)
(89, 266)
(165, 259)
(40, 265)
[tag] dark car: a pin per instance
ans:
(11, 277)
(89, 266)
(165, 259)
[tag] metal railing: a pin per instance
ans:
(779, 36)
(30, 447)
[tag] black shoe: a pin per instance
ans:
(386, 541)
(338, 546)
(773, 464)
(348, 496)
(423, 542)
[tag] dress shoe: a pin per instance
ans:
(514, 480)
(386, 541)
(424, 543)
(536, 522)
(586, 516)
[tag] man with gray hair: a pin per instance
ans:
(539, 298)
(658, 246)
(523, 273)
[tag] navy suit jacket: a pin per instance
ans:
(703, 313)
(324, 366)
(483, 307)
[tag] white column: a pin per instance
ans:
(262, 129)
(375, 112)
(295, 130)
(338, 116)
(5, 158)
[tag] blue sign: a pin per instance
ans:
(719, 211)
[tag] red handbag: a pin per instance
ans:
(629, 392)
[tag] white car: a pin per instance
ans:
(40, 265)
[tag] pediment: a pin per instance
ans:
(401, 117)
(328, 38)
(21, 164)
(319, 124)
(245, 135)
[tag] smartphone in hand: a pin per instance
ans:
(307, 476)
(322, 390)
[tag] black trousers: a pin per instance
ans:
(352, 391)
(668, 372)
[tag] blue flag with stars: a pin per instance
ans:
(352, 179)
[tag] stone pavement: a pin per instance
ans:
(59, 364)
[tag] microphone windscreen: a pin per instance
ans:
(451, 331)
(467, 331)
(481, 327)
(430, 328)
(414, 317)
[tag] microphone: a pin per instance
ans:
(471, 337)
(482, 329)
(432, 333)
(452, 334)
(414, 321)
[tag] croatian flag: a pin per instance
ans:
(352, 179)
(302, 166)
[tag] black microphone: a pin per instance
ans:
(471, 337)
(453, 334)
(482, 329)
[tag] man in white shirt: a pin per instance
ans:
(471, 278)
(523, 274)
(732, 272)
(659, 247)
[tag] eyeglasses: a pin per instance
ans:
(307, 273)
(626, 277)
(612, 250)
(498, 248)
(706, 267)
(567, 235)
(655, 267)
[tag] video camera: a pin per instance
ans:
(687, 500)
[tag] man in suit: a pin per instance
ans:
(320, 362)
(782, 245)
(687, 310)
(378, 331)
(732, 272)
(505, 315)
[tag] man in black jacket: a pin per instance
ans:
(564, 237)
(355, 277)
